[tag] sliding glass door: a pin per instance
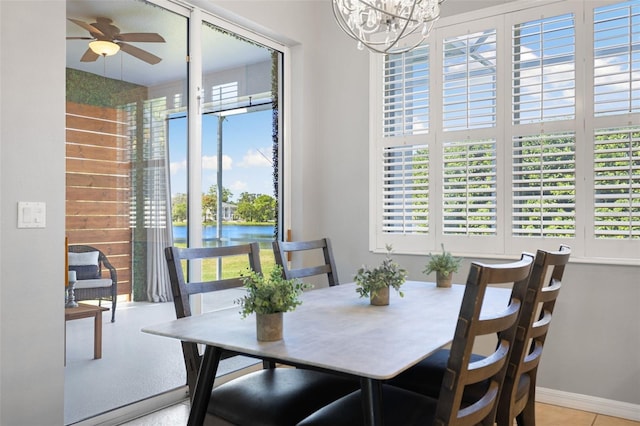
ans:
(161, 150)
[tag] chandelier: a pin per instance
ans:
(379, 25)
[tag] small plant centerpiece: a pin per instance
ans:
(269, 297)
(375, 282)
(444, 265)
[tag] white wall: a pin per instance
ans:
(32, 165)
(594, 341)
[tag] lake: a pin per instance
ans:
(231, 234)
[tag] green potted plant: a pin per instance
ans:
(269, 297)
(375, 282)
(444, 265)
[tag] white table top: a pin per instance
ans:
(337, 330)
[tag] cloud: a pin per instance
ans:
(211, 162)
(256, 158)
(178, 166)
(238, 186)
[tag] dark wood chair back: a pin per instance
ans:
(182, 289)
(461, 372)
(281, 250)
(518, 396)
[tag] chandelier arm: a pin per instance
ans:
(350, 17)
(343, 25)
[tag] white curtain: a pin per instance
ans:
(157, 202)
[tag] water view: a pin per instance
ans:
(231, 234)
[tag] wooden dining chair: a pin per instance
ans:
(518, 393)
(276, 396)
(282, 250)
(518, 397)
(403, 407)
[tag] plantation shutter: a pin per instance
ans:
(616, 56)
(469, 81)
(470, 188)
(543, 66)
(544, 184)
(405, 190)
(617, 183)
(406, 93)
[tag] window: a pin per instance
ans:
(510, 146)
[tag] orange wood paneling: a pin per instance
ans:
(98, 185)
(95, 139)
(97, 181)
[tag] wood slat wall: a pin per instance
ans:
(98, 185)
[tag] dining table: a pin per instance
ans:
(335, 330)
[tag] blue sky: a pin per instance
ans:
(246, 160)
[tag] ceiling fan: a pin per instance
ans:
(104, 33)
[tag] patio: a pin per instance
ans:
(135, 366)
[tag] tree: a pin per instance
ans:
(210, 201)
(265, 208)
(179, 208)
(256, 207)
(246, 207)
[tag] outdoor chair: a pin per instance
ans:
(282, 250)
(272, 396)
(404, 407)
(89, 264)
(518, 393)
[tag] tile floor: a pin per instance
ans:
(546, 415)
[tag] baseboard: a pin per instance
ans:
(138, 409)
(592, 404)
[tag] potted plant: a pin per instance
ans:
(444, 265)
(375, 282)
(268, 297)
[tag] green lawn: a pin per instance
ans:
(234, 266)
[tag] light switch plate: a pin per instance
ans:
(32, 214)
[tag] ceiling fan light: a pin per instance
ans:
(104, 48)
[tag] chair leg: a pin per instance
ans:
(528, 415)
(113, 310)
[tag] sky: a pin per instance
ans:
(246, 160)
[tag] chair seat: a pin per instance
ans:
(93, 283)
(400, 407)
(276, 397)
(426, 378)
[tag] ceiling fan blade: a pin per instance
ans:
(139, 53)
(86, 26)
(89, 56)
(141, 37)
(106, 27)
(80, 38)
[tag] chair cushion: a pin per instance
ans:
(85, 272)
(277, 397)
(93, 283)
(426, 377)
(86, 258)
(400, 407)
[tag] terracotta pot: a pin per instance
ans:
(443, 280)
(381, 298)
(269, 327)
